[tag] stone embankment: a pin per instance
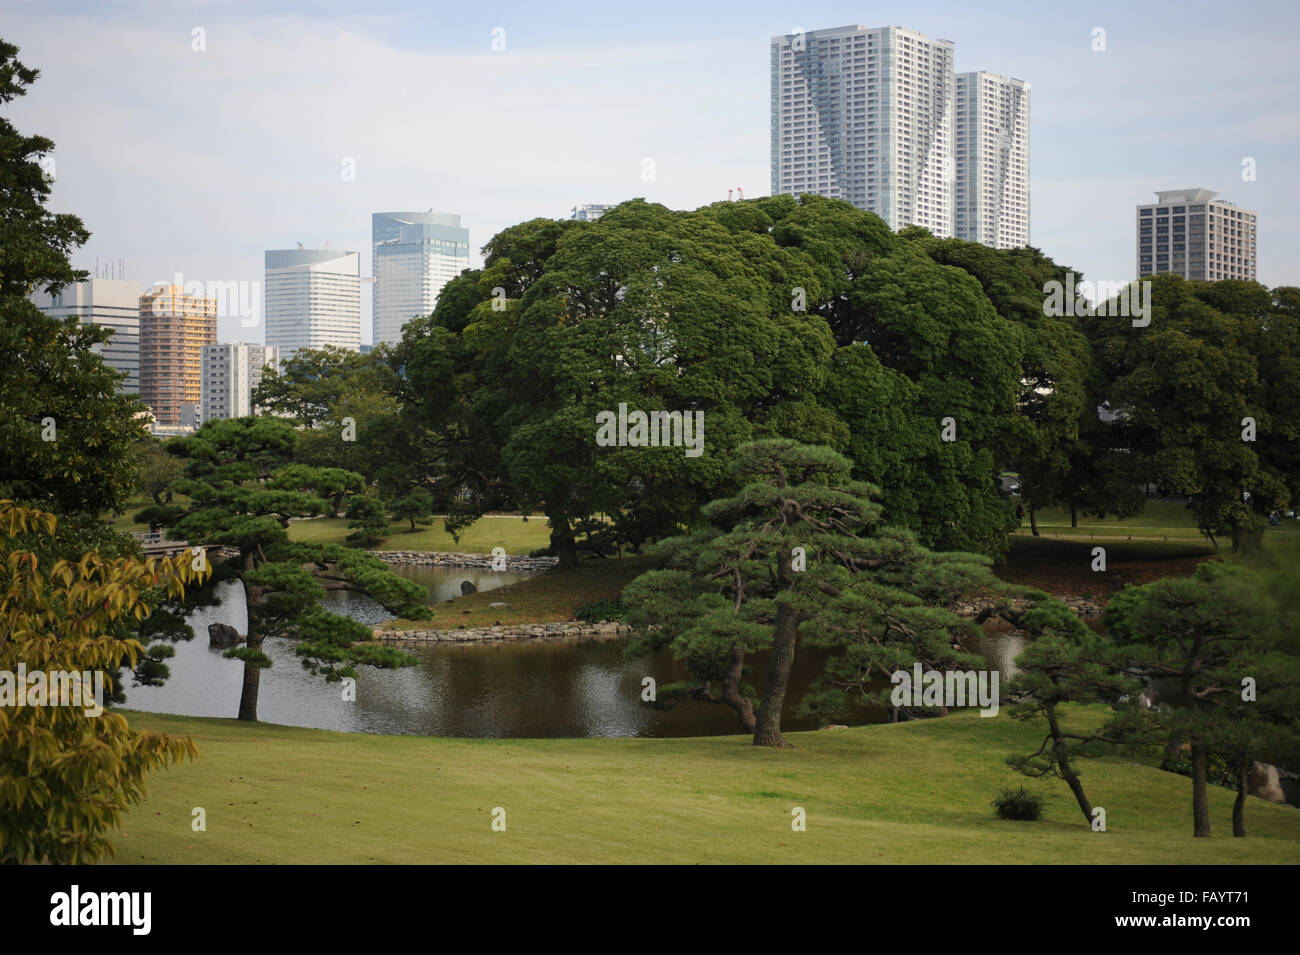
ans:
(433, 558)
(611, 629)
(522, 631)
(1083, 606)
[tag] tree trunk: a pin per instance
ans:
(767, 732)
(252, 674)
(1033, 518)
(562, 543)
(248, 696)
(732, 696)
(1074, 515)
(1248, 538)
(1200, 797)
(1239, 806)
(1062, 753)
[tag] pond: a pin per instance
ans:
(560, 688)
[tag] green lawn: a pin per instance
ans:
(1158, 519)
(516, 535)
(907, 793)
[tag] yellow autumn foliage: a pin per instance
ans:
(66, 778)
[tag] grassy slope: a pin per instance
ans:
(914, 792)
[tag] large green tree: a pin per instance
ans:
(1056, 443)
(648, 309)
(926, 374)
(156, 471)
(65, 433)
(34, 242)
(1203, 406)
(345, 404)
(71, 593)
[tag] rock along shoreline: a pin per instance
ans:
(433, 558)
(606, 630)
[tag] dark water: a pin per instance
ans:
(505, 689)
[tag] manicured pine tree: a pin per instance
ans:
(1065, 663)
(415, 506)
(1203, 634)
(243, 490)
(1258, 718)
(797, 552)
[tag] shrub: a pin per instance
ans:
(1216, 770)
(1019, 804)
(597, 610)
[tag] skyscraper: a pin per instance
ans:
(231, 371)
(415, 255)
(174, 327)
(112, 303)
(313, 299)
(866, 115)
(1190, 233)
(992, 160)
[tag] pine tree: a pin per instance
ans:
(244, 489)
(798, 552)
(1205, 634)
(1065, 663)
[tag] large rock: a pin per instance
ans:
(223, 635)
(1263, 781)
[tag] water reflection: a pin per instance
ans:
(505, 689)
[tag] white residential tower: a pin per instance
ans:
(866, 115)
(231, 371)
(992, 160)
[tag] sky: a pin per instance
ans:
(194, 161)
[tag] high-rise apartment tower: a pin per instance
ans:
(1190, 233)
(866, 115)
